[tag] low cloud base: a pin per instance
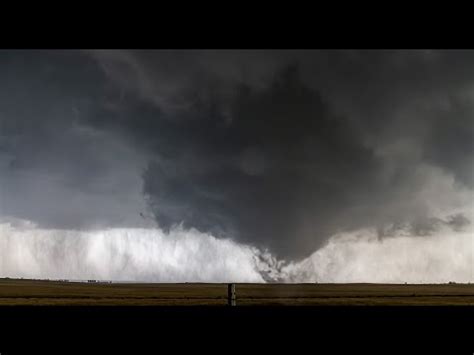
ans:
(151, 255)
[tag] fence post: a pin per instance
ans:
(231, 298)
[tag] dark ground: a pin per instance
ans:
(52, 293)
(325, 322)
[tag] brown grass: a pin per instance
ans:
(33, 292)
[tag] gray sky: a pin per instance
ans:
(276, 149)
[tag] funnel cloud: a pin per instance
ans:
(248, 165)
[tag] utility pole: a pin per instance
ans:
(231, 298)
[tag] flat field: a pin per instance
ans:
(36, 292)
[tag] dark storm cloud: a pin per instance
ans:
(279, 149)
(282, 165)
(422, 96)
(389, 95)
(55, 170)
(450, 143)
(286, 157)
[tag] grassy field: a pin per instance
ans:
(35, 292)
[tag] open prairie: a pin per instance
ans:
(37, 292)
